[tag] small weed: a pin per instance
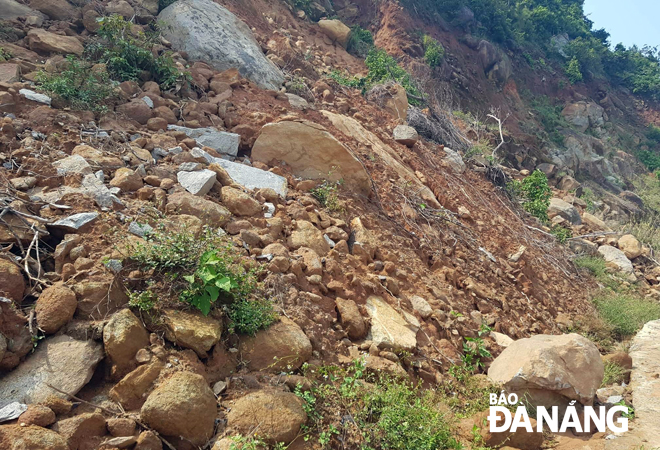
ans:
(630, 414)
(327, 195)
(144, 300)
(626, 313)
(250, 316)
(614, 374)
(465, 393)
(474, 350)
(240, 442)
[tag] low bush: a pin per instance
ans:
(626, 313)
(79, 85)
(434, 52)
(562, 234)
(250, 316)
(360, 42)
(535, 194)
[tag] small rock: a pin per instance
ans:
(192, 330)
(55, 308)
(421, 306)
(239, 203)
(220, 141)
(351, 319)
(405, 135)
(76, 222)
(35, 96)
(123, 336)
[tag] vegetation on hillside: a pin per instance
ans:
(533, 23)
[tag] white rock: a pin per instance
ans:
(388, 328)
(421, 306)
(72, 164)
(616, 258)
(405, 135)
(220, 141)
(35, 96)
(197, 183)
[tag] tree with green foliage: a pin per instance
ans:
(573, 71)
(535, 193)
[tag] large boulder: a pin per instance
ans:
(389, 329)
(12, 283)
(44, 41)
(209, 212)
(11, 9)
(568, 365)
(336, 31)
(192, 330)
(61, 361)
(277, 415)
(123, 336)
(559, 207)
(55, 308)
(208, 32)
(283, 346)
(311, 152)
(584, 115)
(56, 9)
(495, 63)
(616, 259)
(183, 405)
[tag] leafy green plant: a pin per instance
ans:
(630, 414)
(360, 42)
(5, 55)
(250, 316)
(589, 198)
(573, 71)
(217, 277)
(653, 133)
(474, 350)
(434, 52)
(535, 192)
(626, 313)
(240, 442)
(79, 84)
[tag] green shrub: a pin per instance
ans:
(535, 194)
(144, 300)
(573, 71)
(650, 159)
(434, 52)
(250, 316)
(79, 85)
(653, 133)
(327, 195)
(626, 313)
(561, 233)
(360, 42)
(128, 57)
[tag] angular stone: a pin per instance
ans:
(630, 246)
(208, 32)
(559, 207)
(72, 164)
(240, 203)
(131, 391)
(283, 346)
(35, 96)
(123, 336)
(10, 73)
(568, 365)
(60, 361)
(197, 183)
(220, 141)
(307, 235)
(594, 222)
(253, 178)
(209, 212)
(41, 40)
(311, 152)
(421, 306)
(389, 330)
(351, 319)
(405, 135)
(192, 330)
(75, 222)
(12, 283)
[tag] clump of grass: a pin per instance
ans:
(250, 316)
(594, 264)
(626, 313)
(614, 374)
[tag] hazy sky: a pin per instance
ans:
(628, 21)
